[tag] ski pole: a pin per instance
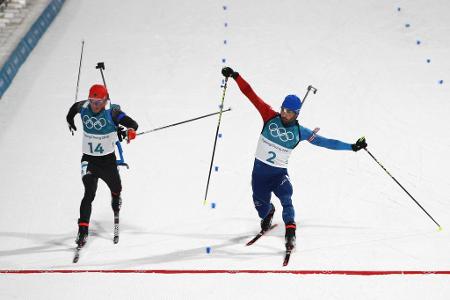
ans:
(79, 71)
(310, 87)
(78, 79)
(182, 122)
(387, 172)
(215, 140)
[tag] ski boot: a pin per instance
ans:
(267, 221)
(83, 232)
(290, 236)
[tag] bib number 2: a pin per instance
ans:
(271, 157)
(98, 148)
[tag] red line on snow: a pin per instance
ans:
(295, 272)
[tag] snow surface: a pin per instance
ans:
(163, 61)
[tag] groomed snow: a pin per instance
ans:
(163, 61)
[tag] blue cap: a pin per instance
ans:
(292, 102)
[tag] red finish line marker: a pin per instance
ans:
(294, 272)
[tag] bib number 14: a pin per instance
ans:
(272, 157)
(98, 148)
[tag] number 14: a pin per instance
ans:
(98, 149)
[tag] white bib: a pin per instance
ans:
(272, 154)
(99, 144)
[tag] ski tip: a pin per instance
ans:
(287, 256)
(286, 260)
(76, 258)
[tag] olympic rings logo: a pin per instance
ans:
(281, 133)
(93, 122)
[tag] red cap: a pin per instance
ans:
(98, 92)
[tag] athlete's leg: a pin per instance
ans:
(90, 181)
(110, 174)
(283, 190)
(261, 194)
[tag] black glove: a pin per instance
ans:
(72, 126)
(360, 143)
(121, 133)
(228, 72)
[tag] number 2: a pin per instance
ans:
(273, 155)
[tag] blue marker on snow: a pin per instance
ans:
(418, 42)
(220, 135)
(216, 168)
(208, 250)
(213, 205)
(407, 25)
(441, 81)
(428, 60)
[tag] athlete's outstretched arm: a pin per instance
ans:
(308, 134)
(264, 109)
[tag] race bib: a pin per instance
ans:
(99, 144)
(272, 154)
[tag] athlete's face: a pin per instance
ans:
(97, 105)
(288, 116)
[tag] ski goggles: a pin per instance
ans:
(288, 111)
(97, 102)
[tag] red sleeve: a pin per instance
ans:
(264, 109)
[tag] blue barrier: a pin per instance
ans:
(27, 44)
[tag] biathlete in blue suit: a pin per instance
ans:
(281, 133)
